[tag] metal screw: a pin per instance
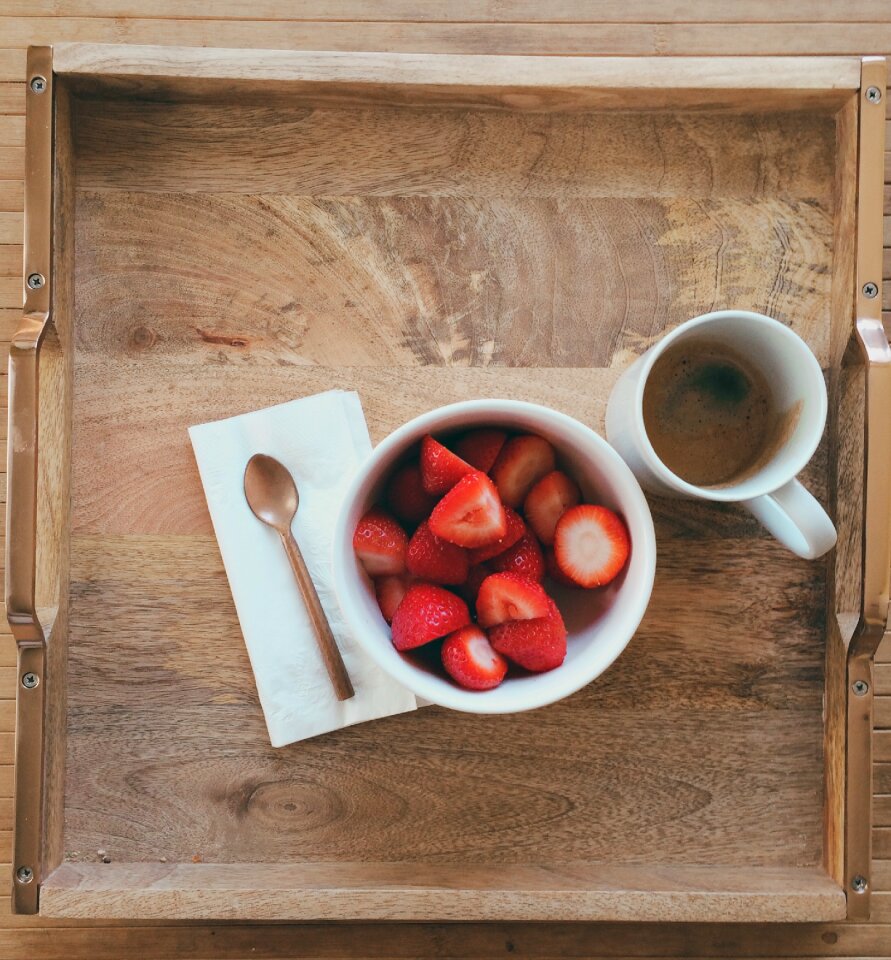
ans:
(24, 874)
(860, 688)
(870, 290)
(38, 84)
(873, 94)
(36, 281)
(859, 884)
(30, 680)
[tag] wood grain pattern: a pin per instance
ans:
(29, 938)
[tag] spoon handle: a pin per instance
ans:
(334, 664)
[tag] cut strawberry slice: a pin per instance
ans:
(536, 645)
(389, 592)
(523, 461)
(505, 596)
(470, 514)
(470, 661)
(380, 543)
(515, 529)
(440, 468)
(406, 495)
(431, 558)
(555, 573)
(591, 545)
(426, 613)
(523, 558)
(480, 448)
(547, 501)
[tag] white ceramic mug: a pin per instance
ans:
(772, 493)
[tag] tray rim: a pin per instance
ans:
(483, 81)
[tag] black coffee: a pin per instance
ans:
(710, 414)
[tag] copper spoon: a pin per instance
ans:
(272, 496)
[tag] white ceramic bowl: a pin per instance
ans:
(600, 622)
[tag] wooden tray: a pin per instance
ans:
(211, 231)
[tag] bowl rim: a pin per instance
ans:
(416, 680)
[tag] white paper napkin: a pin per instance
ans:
(322, 440)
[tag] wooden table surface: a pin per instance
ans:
(630, 27)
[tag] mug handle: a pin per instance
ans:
(796, 519)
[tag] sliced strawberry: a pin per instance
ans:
(515, 529)
(470, 514)
(426, 613)
(475, 577)
(554, 572)
(480, 448)
(591, 545)
(523, 558)
(523, 461)
(536, 645)
(430, 558)
(505, 596)
(440, 468)
(389, 592)
(406, 495)
(469, 660)
(380, 543)
(547, 501)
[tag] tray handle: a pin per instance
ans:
(22, 485)
(872, 626)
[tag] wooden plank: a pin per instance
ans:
(12, 130)
(10, 318)
(882, 745)
(763, 38)
(12, 95)
(11, 227)
(10, 260)
(881, 811)
(468, 11)
(11, 200)
(882, 713)
(7, 717)
(12, 64)
(10, 292)
(406, 891)
(882, 778)
(12, 160)
(881, 843)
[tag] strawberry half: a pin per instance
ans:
(515, 529)
(389, 592)
(523, 461)
(547, 501)
(523, 558)
(470, 514)
(380, 543)
(406, 495)
(428, 557)
(591, 545)
(470, 661)
(440, 468)
(505, 596)
(426, 613)
(480, 448)
(536, 645)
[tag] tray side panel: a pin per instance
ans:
(199, 302)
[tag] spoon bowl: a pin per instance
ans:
(270, 491)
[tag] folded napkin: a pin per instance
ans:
(321, 440)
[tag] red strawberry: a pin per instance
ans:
(523, 558)
(555, 573)
(547, 501)
(440, 468)
(426, 613)
(389, 592)
(406, 496)
(380, 543)
(523, 461)
(430, 558)
(536, 645)
(515, 529)
(469, 659)
(480, 448)
(505, 596)
(591, 545)
(471, 586)
(470, 514)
